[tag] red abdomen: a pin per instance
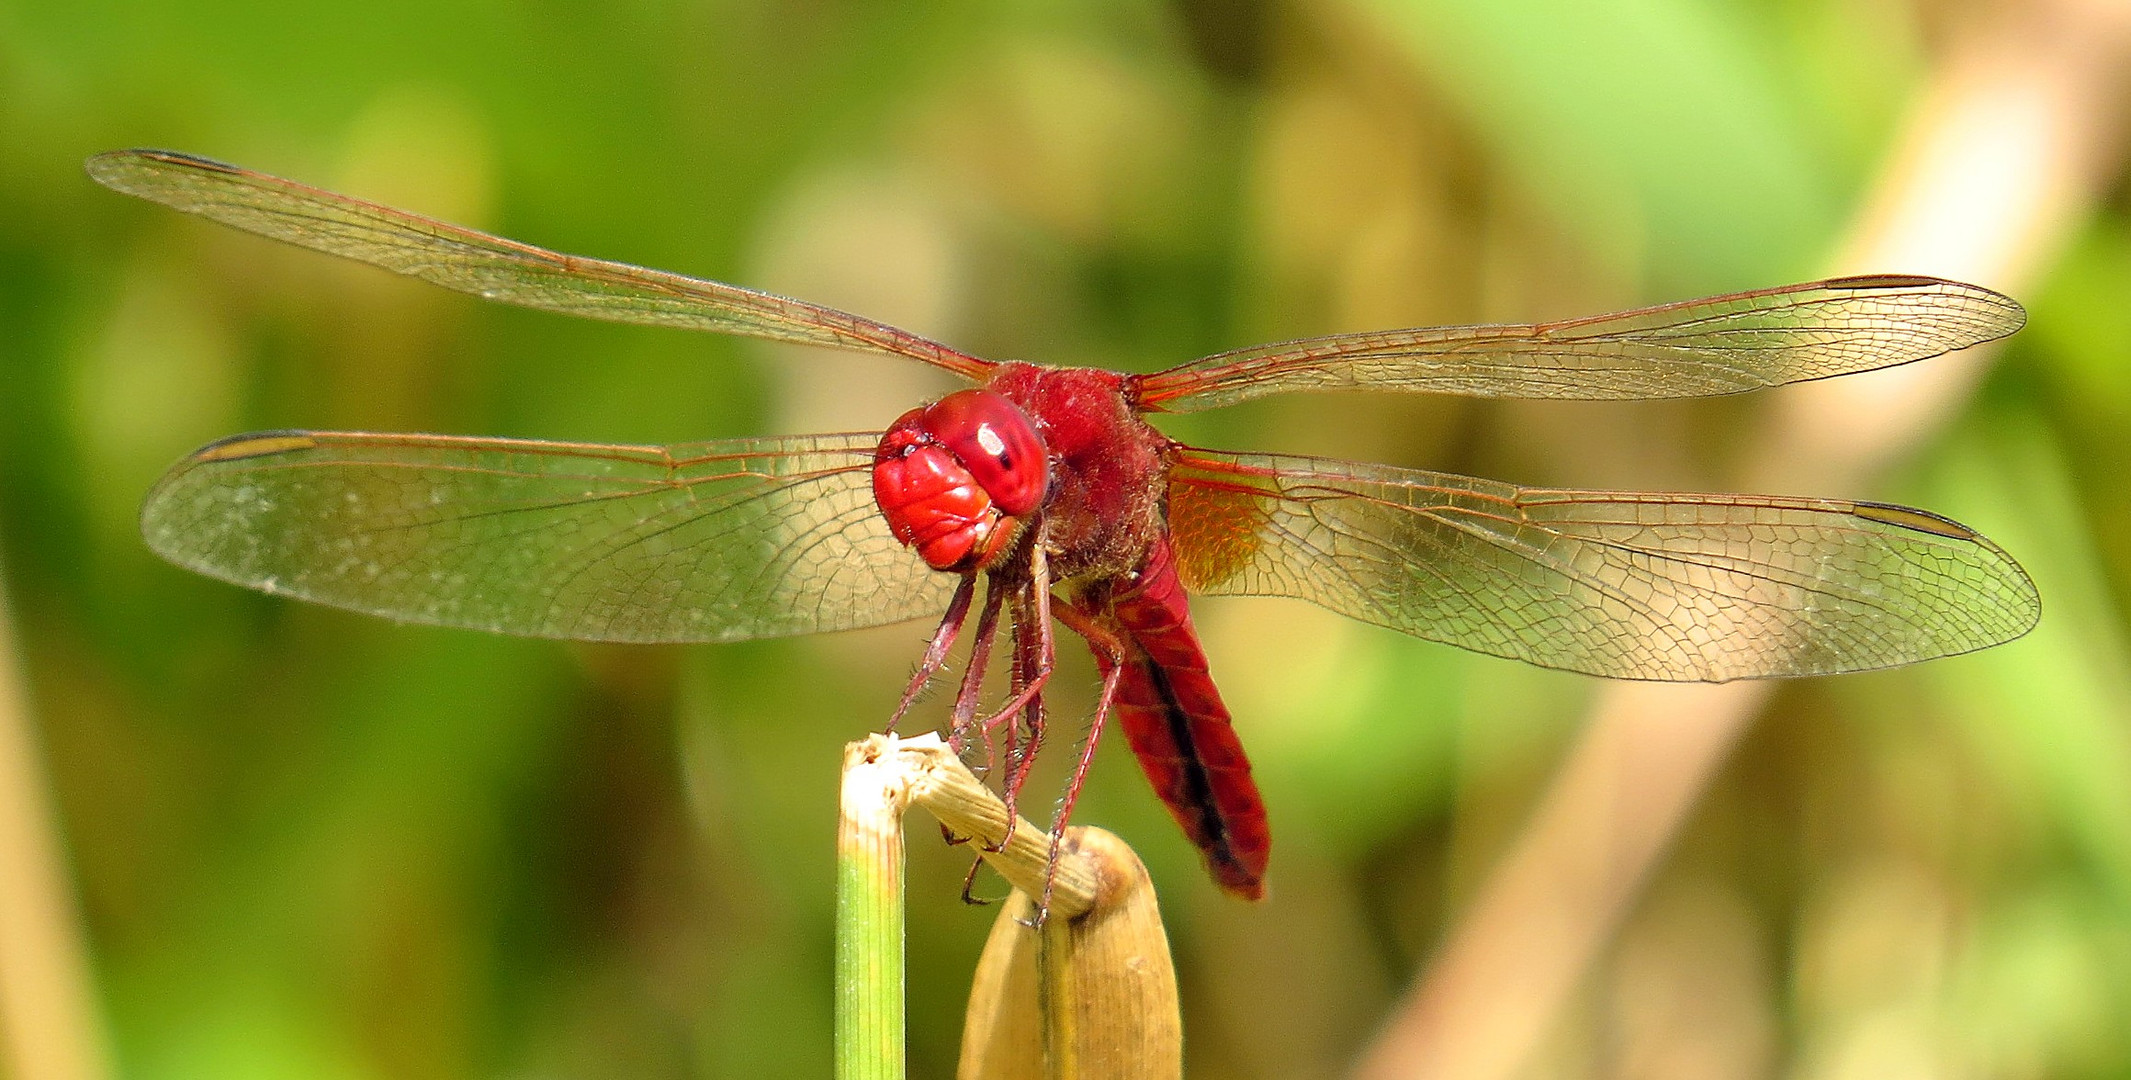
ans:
(1179, 729)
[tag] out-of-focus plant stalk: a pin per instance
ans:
(2008, 149)
(49, 1023)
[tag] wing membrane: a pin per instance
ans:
(713, 541)
(495, 268)
(1696, 348)
(1684, 588)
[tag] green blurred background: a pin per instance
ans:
(307, 843)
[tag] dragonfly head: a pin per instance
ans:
(956, 478)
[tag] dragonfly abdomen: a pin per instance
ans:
(1180, 730)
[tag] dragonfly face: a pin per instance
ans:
(957, 479)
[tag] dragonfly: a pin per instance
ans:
(1048, 487)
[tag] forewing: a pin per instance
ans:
(1695, 348)
(493, 267)
(1683, 588)
(713, 541)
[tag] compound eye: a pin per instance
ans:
(997, 443)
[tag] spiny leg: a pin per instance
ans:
(966, 708)
(943, 639)
(1109, 650)
(1035, 656)
(972, 683)
(969, 885)
(1021, 712)
(980, 650)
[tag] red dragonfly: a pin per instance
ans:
(1048, 486)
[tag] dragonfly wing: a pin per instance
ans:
(714, 541)
(1688, 588)
(1696, 348)
(493, 267)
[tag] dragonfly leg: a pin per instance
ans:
(1035, 656)
(980, 650)
(1032, 669)
(1023, 712)
(969, 886)
(972, 681)
(943, 639)
(1109, 650)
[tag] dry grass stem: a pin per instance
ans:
(950, 792)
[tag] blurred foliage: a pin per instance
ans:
(313, 844)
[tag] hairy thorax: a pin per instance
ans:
(1109, 467)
